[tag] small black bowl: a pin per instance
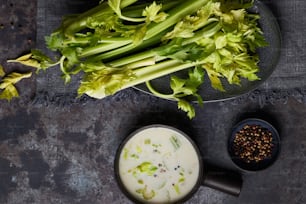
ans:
(236, 150)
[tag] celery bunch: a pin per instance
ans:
(123, 43)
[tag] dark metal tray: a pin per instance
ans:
(268, 60)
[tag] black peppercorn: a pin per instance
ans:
(253, 143)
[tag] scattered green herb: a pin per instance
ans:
(156, 145)
(135, 156)
(175, 142)
(138, 149)
(181, 180)
(125, 153)
(147, 141)
(162, 185)
(176, 188)
(146, 194)
(147, 168)
(140, 181)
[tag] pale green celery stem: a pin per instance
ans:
(132, 59)
(157, 30)
(162, 95)
(155, 71)
(175, 142)
(138, 64)
(86, 40)
(133, 19)
(61, 62)
(141, 63)
(156, 93)
(207, 31)
(80, 22)
(111, 53)
(128, 48)
(150, 72)
(136, 11)
(103, 48)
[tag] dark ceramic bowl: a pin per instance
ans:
(222, 180)
(243, 140)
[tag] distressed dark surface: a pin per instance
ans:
(56, 148)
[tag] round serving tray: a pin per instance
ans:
(268, 56)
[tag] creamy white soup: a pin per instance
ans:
(159, 165)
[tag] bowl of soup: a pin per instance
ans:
(161, 164)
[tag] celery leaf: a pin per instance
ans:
(115, 5)
(153, 14)
(2, 73)
(35, 59)
(9, 92)
(186, 107)
(214, 78)
(13, 78)
(187, 87)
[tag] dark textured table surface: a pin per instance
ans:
(57, 149)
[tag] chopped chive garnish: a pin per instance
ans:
(125, 153)
(147, 141)
(177, 188)
(181, 180)
(138, 149)
(175, 142)
(147, 167)
(135, 156)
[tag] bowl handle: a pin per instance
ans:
(223, 180)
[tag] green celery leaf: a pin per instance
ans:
(220, 41)
(189, 24)
(187, 87)
(91, 66)
(13, 78)
(2, 73)
(251, 75)
(214, 78)
(104, 82)
(115, 6)
(176, 84)
(44, 61)
(139, 35)
(9, 92)
(55, 41)
(35, 59)
(71, 55)
(104, 24)
(69, 63)
(186, 107)
(153, 14)
(196, 77)
(27, 60)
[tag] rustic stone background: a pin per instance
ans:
(57, 149)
